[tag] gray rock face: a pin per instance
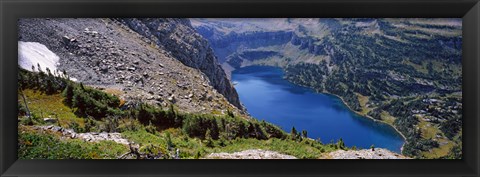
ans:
(225, 45)
(230, 38)
(228, 47)
(111, 56)
(88, 137)
(179, 37)
(235, 60)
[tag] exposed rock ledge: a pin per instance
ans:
(250, 154)
(88, 137)
(364, 154)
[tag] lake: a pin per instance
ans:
(267, 96)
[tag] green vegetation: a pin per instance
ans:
(156, 130)
(90, 102)
(37, 145)
(306, 149)
(408, 81)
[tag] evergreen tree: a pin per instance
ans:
(241, 130)
(293, 133)
(341, 144)
(304, 133)
(230, 113)
(68, 94)
(251, 130)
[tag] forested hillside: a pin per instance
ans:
(405, 72)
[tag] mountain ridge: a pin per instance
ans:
(106, 54)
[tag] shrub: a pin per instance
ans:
(22, 110)
(76, 127)
(150, 128)
(91, 102)
(153, 150)
(44, 146)
(168, 138)
(90, 125)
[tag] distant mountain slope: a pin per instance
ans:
(388, 69)
(108, 54)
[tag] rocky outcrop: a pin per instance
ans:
(314, 46)
(88, 137)
(179, 37)
(250, 154)
(235, 60)
(378, 153)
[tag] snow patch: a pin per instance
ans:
(33, 53)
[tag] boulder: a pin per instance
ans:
(50, 120)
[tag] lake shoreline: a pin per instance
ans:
(367, 116)
(358, 113)
(349, 109)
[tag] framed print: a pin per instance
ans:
(239, 88)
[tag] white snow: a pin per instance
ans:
(33, 53)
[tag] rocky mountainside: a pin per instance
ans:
(176, 69)
(179, 37)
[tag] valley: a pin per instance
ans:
(384, 69)
(170, 88)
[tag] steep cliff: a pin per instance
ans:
(179, 37)
(226, 45)
(230, 38)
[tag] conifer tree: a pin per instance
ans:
(293, 133)
(304, 133)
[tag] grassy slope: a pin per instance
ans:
(189, 147)
(35, 144)
(44, 106)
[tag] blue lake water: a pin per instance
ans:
(267, 96)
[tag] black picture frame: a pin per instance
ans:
(12, 10)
